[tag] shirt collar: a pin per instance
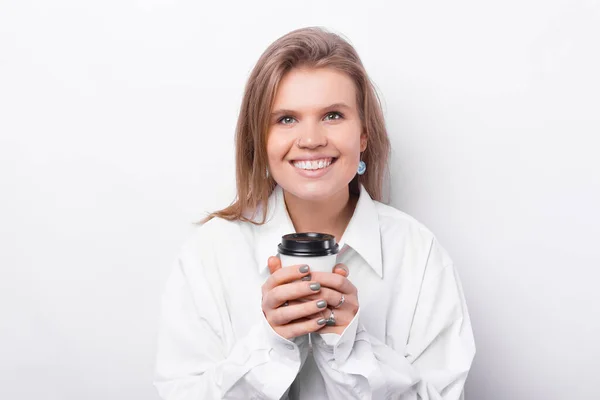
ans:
(362, 233)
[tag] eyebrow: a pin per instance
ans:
(284, 111)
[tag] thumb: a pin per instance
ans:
(342, 270)
(274, 264)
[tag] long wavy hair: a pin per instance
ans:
(311, 47)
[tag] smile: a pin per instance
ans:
(312, 165)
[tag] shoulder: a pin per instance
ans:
(403, 230)
(391, 218)
(211, 237)
(217, 230)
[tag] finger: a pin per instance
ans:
(289, 291)
(284, 315)
(293, 302)
(321, 314)
(300, 328)
(332, 297)
(274, 264)
(285, 275)
(334, 281)
(298, 301)
(342, 270)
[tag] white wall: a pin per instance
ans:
(116, 123)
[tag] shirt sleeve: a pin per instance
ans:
(198, 359)
(437, 357)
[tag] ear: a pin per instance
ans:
(363, 142)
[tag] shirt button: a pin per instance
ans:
(289, 346)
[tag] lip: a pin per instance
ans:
(315, 173)
(312, 157)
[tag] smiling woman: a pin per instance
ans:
(315, 155)
(311, 153)
(309, 84)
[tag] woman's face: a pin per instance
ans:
(315, 133)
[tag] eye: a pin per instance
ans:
(335, 113)
(286, 120)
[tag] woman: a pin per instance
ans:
(238, 325)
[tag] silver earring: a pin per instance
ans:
(362, 168)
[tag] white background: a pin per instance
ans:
(117, 120)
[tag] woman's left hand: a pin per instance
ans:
(333, 287)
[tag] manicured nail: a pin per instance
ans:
(322, 321)
(306, 278)
(315, 286)
(321, 304)
(303, 269)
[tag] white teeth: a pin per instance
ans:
(313, 164)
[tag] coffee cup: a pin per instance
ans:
(317, 250)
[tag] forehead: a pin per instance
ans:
(304, 89)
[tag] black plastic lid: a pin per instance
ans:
(309, 244)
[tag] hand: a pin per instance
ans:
(333, 286)
(336, 283)
(283, 286)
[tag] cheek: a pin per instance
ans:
(348, 144)
(350, 149)
(277, 147)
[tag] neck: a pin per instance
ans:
(330, 216)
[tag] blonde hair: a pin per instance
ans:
(311, 47)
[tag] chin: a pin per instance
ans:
(317, 191)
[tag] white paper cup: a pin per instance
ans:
(317, 250)
(319, 264)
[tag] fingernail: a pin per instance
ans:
(322, 321)
(343, 268)
(303, 269)
(306, 278)
(315, 286)
(321, 304)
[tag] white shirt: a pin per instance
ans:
(411, 339)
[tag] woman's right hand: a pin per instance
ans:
(287, 317)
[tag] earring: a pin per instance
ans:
(362, 167)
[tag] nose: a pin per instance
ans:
(311, 137)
